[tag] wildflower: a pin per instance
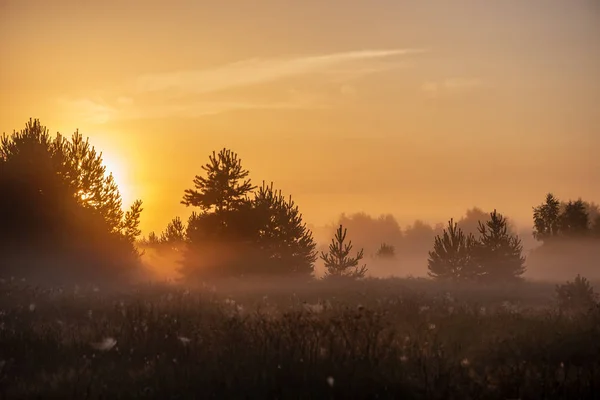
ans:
(32, 307)
(431, 327)
(465, 362)
(315, 308)
(330, 381)
(105, 345)
(229, 302)
(183, 340)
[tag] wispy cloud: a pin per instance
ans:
(183, 93)
(258, 71)
(450, 86)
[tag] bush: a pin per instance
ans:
(576, 295)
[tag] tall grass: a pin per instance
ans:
(390, 338)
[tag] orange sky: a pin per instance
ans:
(417, 108)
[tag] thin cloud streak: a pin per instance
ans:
(451, 85)
(257, 71)
(167, 94)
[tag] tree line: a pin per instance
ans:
(61, 214)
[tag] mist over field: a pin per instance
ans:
(300, 199)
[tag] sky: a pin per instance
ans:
(421, 109)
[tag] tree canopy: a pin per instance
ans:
(240, 230)
(59, 207)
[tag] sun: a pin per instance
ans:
(115, 166)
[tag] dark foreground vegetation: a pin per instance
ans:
(266, 326)
(392, 338)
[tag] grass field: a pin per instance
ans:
(387, 338)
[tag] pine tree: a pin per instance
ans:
(260, 235)
(215, 242)
(546, 219)
(451, 256)
(497, 253)
(286, 244)
(174, 235)
(338, 263)
(59, 203)
(225, 187)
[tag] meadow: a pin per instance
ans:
(377, 338)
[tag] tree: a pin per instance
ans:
(234, 234)
(451, 256)
(60, 206)
(286, 244)
(174, 235)
(369, 231)
(338, 263)
(418, 237)
(386, 251)
(595, 230)
(546, 219)
(469, 224)
(498, 253)
(172, 238)
(574, 220)
(226, 186)
(576, 295)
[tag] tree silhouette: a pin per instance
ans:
(338, 263)
(59, 205)
(225, 186)
(286, 244)
(574, 220)
(418, 237)
(546, 219)
(215, 240)
(368, 231)
(172, 238)
(386, 251)
(595, 230)
(451, 256)
(469, 224)
(234, 234)
(498, 253)
(174, 235)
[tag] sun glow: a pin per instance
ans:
(115, 166)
